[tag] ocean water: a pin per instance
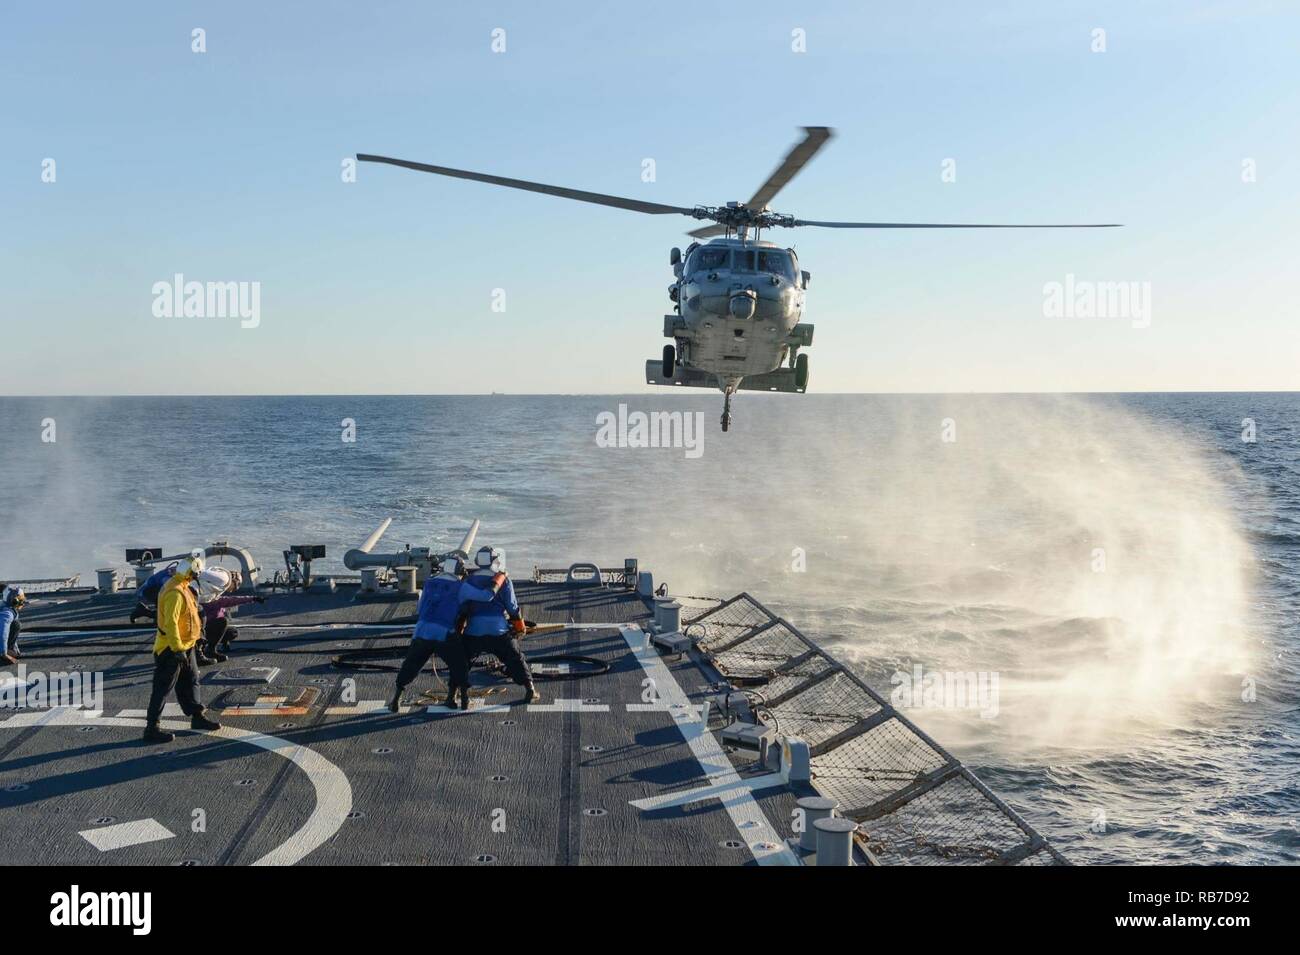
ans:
(1127, 566)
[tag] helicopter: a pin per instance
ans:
(738, 301)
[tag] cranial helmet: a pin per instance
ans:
(14, 597)
(490, 558)
(191, 566)
(213, 582)
(453, 565)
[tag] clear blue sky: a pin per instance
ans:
(226, 166)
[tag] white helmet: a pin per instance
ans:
(452, 566)
(14, 597)
(490, 558)
(213, 582)
(191, 566)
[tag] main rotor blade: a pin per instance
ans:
(815, 137)
(952, 225)
(600, 199)
(703, 232)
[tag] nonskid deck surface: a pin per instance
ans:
(616, 766)
(310, 769)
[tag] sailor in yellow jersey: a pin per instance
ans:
(175, 667)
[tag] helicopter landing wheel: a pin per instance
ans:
(801, 373)
(670, 361)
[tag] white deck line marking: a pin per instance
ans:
(333, 791)
(767, 847)
(359, 708)
(768, 781)
(568, 706)
(474, 707)
(123, 834)
(368, 707)
(172, 710)
(683, 714)
(54, 716)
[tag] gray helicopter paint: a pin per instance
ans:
(711, 338)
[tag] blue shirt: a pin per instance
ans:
(488, 619)
(7, 618)
(152, 587)
(440, 603)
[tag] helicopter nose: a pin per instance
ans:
(742, 304)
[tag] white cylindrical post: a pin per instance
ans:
(107, 580)
(369, 580)
(814, 809)
(835, 841)
(405, 579)
(141, 575)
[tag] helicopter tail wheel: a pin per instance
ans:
(670, 361)
(801, 373)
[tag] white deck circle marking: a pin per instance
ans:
(333, 791)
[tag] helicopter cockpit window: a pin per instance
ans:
(708, 259)
(778, 262)
(743, 260)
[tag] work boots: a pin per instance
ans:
(531, 694)
(200, 721)
(395, 704)
(153, 733)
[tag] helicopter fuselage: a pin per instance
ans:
(738, 303)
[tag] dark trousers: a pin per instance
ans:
(449, 650)
(15, 629)
(179, 672)
(505, 648)
(217, 633)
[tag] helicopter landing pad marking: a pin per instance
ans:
(568, 706)
(54, 716)
(172, 710)
(333, 791)
(123, 834)
(769, 781)
(767, 847)
(359, 708)
(475, 706)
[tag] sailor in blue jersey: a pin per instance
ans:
(146, 598)
(436, 631)
(495, 627)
